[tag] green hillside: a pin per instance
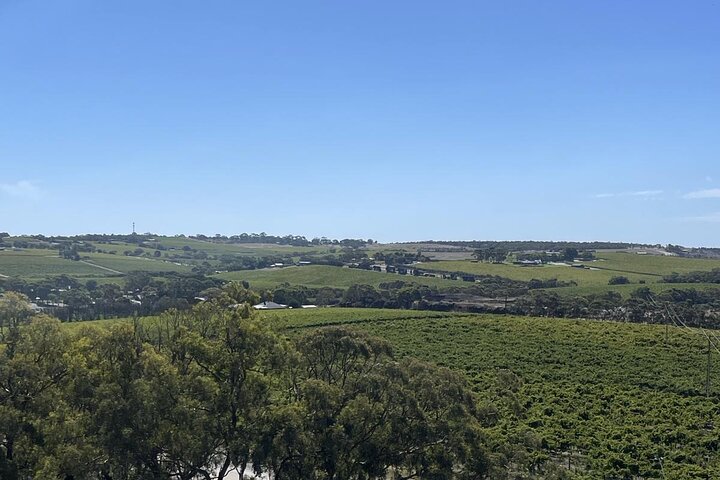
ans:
(327, 276)
(647, 269)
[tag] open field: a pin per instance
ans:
(34, 264)
(615, 395)
(38, 263)
(647, 268)
(328, 276)
(652, 264)
(583, 277)
(127, 264)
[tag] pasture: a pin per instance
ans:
(125, 264)
(327, 276)
(39, 263)
(648, 269)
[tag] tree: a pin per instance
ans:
(32, 366)
(570, 254)
(14, 311)
(356, 412)
(361, 296)
(239, 292)
(491, 254)
(618, 280)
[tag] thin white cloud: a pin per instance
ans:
(708, 178)
(22, 189)
(639, 193)
(709, 218)
(709, 193)
(646, 193)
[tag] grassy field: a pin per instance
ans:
(648, 269)
(615, 395)
(652, 264)
(637, 268)
(126, 264)
(327, 276)
(545, 272)
(38, 263)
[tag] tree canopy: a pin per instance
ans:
(198, 393)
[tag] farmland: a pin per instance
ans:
(41, 263)
(646, 269)
(614, 394)
(609, 398)
(111, 259)
(326, 276)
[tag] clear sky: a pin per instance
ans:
(394, 120)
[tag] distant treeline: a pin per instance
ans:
(294, 240)
(141, 293)
(696, 308)
(525, 245)
(713, 276)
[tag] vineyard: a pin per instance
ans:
(605, 400)
(610, 400)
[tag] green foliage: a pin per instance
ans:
(618, 280)
(193, 394)
(606, 397)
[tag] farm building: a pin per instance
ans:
(269, 306)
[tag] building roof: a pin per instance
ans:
(269, 306)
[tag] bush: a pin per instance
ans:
(619, 280)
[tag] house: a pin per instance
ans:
(269, 306)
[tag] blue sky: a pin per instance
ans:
(401, 120)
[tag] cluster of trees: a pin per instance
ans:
(712, 276)
(491, 254)
(395, 294)
(141, 293)
(526, 245)
(697, 308)
(498, 253)
(144, 293)
(399, 258)
(294, 240)
(199, 393)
